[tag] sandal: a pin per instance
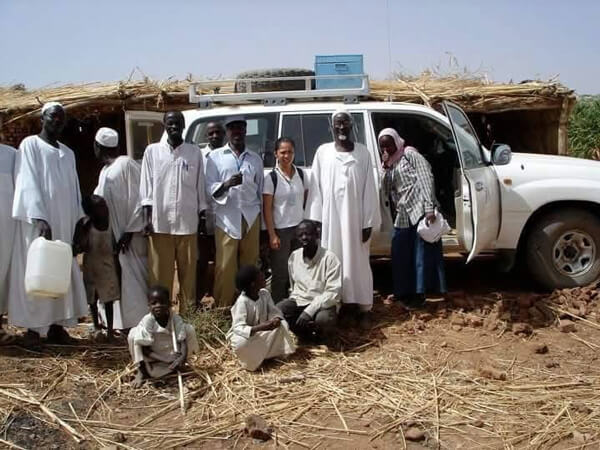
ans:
(389, 300)
(31, 340)
(57, 335)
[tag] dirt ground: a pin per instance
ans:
(497, 366)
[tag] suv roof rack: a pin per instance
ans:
(254, 90)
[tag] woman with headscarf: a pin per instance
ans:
(408, 190)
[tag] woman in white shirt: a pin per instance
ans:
(284, 195)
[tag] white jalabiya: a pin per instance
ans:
(7, 224)
(343, 197)
(46, 187)
(149, 333)
(253, 349)
(119, 184)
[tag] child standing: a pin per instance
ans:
(99, 268)
(258, 331)
(162, 341)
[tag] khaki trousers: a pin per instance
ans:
(164, 250)
(232, 253)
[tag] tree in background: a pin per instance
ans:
(584, 128)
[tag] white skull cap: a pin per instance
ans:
(49, 105)
(107, 137)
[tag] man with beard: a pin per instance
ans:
(172, 198)
(47, 203)
(343, 198)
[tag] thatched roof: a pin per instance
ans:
(475, 95)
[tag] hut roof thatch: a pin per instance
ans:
(473, 94)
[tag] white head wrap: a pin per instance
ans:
(341, 111)
(395, 136)
(107, 137)
(49, 105)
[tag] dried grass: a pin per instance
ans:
(473, 93)
(370, 390)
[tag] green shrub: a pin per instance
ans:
(584, 128)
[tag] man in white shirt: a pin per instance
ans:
(316, 286)
(172, 196)
(234, 179)
(215, 134)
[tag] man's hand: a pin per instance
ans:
(304, 320)
(366, 234)
(179, 359)
(124, 241)
(429, 218)
(148, 229)
(235, 180)
(274, 242)
(42, 228)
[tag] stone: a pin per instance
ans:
(414, 434)
(257, 428)
(478, 423)
(492, 374)
(552, 364)
(566, 326)
(118, 437)
(522, 328)
(541, 349)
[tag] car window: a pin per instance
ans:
(468, 142)
(261, 131)
(309, 131)
(143, 132)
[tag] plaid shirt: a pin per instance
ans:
(409, 185)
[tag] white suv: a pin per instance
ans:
(543, 210)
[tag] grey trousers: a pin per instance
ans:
(324, 321)
(279, 263)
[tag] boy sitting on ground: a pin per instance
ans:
(316, 282)
(162, 341)
(258, 331)
(99, 268)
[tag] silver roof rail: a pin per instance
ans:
(207, 93)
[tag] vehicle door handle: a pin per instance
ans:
(479, 186)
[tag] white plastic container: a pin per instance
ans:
(48, 269)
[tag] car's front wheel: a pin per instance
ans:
(563, 249)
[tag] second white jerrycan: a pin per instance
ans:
(48, 269)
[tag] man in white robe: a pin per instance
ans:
(47, 203)
(119, 185)
(7, 225)
(343, 198)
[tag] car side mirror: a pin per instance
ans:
(501, 154)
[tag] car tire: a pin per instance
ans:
(264, 86)
(563, 249)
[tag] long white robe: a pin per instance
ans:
(46, 187)
(7, 223)
(149, 333)
(119, 184)
(343, 197)
(252, 350)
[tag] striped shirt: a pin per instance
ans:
(409, 185)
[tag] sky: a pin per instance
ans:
(71, 41)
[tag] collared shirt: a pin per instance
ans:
(242, 201)
(409, 186)
(172, 182)
(315, 282)
(210, 207)
(288, 200)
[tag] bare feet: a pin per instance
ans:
(139, 380)
(7, 339)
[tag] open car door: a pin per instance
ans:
(480, 198)
(141, 129)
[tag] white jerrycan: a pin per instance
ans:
(48, 269)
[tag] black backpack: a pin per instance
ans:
(273, 175)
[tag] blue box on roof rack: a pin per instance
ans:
(339, 65)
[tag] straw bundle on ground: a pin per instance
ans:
(413, 377)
